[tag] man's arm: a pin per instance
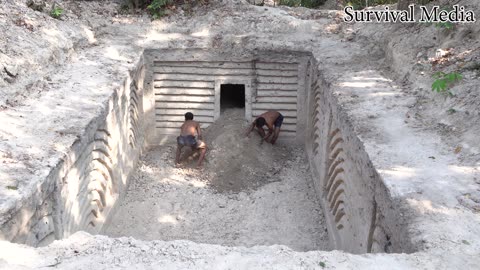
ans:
(252, 126)
(270, 132)
(199, 131)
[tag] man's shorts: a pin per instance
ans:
(278, 123)
(190, 141)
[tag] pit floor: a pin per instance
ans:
(247, 194)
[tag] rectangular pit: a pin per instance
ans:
(83, 192)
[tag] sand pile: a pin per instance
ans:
(236, 162)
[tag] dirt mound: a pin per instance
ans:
(238, 163)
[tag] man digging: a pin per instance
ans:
(273, 120)
(187, 137)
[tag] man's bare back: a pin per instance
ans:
(187, 137)
(189, 127)
(270, 118)
(273, 120)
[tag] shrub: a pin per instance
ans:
(56, 12)
(443, 81)
(157, 8)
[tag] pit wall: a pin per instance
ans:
(361, 217)
(82, 191)
(179, 81)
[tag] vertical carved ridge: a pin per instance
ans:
(133, 116)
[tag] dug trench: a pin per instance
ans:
(247, 194)
(316, 189)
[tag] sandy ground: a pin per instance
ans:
(274, 204)
(84, 251)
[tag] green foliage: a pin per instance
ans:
(451, 111)
(301, 3)
(56, 12)
(158, 8)
(124, 8)
(290, 3)
(312, 3)
(443, 81)
(322, 264)
(445, 25)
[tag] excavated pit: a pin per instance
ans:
(316, 189)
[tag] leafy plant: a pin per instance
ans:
(157, 8)
(445, 25)
(451, 111)
(443, 81)
(290, 3)
(124, 8)
(312, 3)
(56, 12)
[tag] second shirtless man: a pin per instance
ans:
(273, 120)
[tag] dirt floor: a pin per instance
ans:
(263, 196)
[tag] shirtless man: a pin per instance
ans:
(273, 120)
(187, 138)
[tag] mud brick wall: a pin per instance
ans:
(191, 81)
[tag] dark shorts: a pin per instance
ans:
(278, 123)
(188, 140)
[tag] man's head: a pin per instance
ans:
(188, 116)
(260, 122)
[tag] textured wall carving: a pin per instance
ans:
(94, 185)
(133, 130)
(335, 185)
(344, 178)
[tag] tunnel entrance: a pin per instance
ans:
(232, 96)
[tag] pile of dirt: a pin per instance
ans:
(238, 163)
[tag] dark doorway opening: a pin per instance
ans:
(232, 96)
